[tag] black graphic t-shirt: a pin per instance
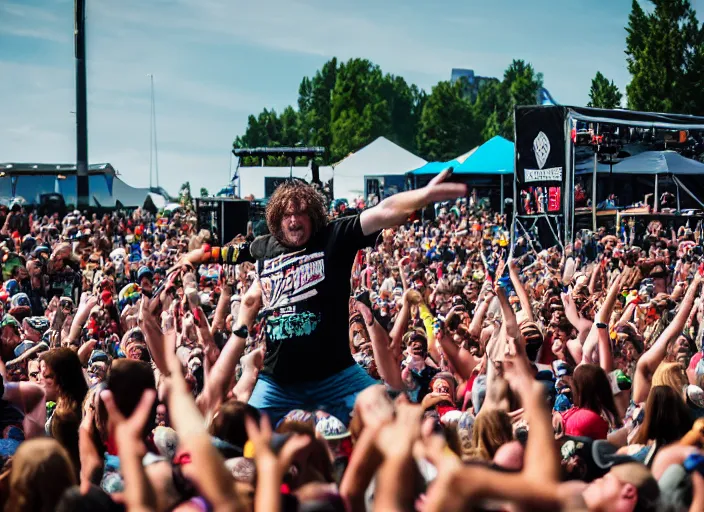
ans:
(305, 296)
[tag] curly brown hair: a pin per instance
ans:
(303, 197)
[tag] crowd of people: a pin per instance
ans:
(385, 360)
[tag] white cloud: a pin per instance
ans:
(26, 21)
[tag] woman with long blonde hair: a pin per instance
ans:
(41, 471)
(672, 376)
(492, 429)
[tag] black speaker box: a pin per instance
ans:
(225, 218)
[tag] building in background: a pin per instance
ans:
(472, 83)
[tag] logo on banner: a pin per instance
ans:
(541, 148)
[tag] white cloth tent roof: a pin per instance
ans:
(130, 197)
(379, 158)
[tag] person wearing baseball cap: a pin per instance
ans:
(145, 279)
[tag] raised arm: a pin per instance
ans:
(394, 210)
(139, 494)
(401, 322)
(386, 360)
(223, 307)
(526, 306)
(580, 323)
(460, 358)
(603, 316)
(207, 469)
(363, 465)
(475, 326)
(220, 376)
(395, 442)
(87, 303)
(648, 363)
(593, 277)
(509, 317)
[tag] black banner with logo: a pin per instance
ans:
(540, 159)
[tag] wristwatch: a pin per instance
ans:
(241, 332)
(600, 325)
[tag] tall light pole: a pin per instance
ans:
(154, 149)
(81, 106)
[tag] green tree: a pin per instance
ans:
(520, 86)
(314, 105)
(405, 105)
(496, 100)
(665, 57)
(492, 126)
(204, 192)
(604, 94)
(359, 113)
(447, 124)
(290, 133)
(268, 129)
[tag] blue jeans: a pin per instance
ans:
(335, 395)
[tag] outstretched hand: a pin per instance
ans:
(438, 190)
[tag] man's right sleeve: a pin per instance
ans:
(235, 254)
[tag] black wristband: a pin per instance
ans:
(241, 332)
(600, 325)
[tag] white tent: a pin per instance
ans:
(379, 158)
(131, 197)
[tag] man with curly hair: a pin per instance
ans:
(303, 275)
(303, 272)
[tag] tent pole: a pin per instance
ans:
(678, 196)
(567, 206)
(679, 183)
(655, 199)
(515, 190)
(502, 195)
(594, 196)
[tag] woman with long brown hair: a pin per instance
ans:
(594, 412)
(61, 376)
(667, 419)
(41, 471)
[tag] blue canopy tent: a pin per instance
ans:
(433, 168)
(495, 156)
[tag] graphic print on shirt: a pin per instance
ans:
(286, 281)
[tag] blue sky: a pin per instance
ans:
(216, 61)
